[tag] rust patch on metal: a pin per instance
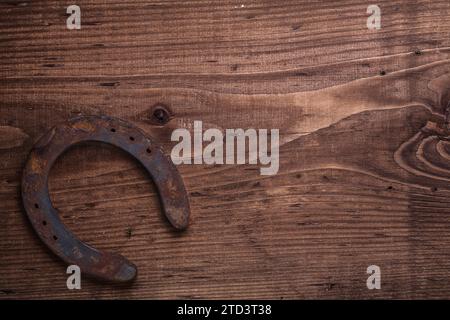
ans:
(84, 125)
(44, 217)
(36, 164)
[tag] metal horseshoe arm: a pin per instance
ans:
(44, 217)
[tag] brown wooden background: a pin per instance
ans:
(359, 184)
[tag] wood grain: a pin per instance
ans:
(364, 156)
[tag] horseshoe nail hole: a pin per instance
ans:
(132, 138)
(55, 238)
(36, 206)
(113, 130)
(44, 223)
(148, 150)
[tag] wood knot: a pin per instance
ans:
(434, 128)
(160, 114)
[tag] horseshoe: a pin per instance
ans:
(44, 217)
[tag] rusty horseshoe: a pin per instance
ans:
(44, 217)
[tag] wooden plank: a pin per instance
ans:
(363, 159)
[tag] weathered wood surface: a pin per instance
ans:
(364, 174)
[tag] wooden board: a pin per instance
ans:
(364, 161)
